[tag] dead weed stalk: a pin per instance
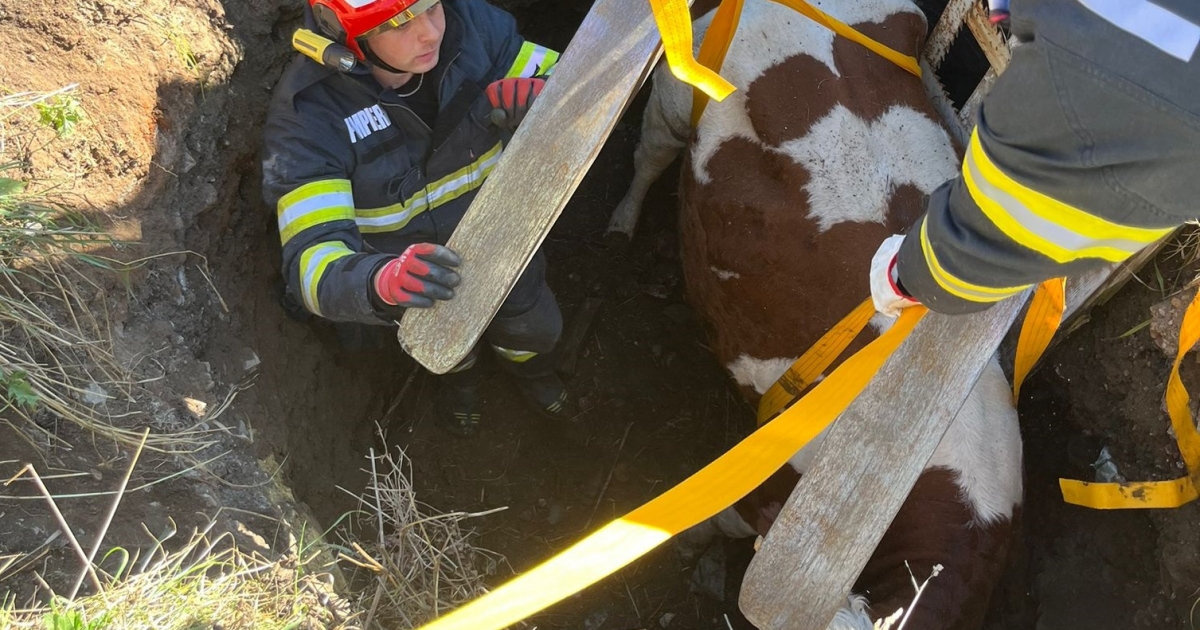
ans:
(205, 581)
(423, 563)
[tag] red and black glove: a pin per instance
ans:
(512, 98)
(417, 277)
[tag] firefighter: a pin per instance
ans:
(372, 161)
(1085, 151)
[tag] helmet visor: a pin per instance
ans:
(401, 18)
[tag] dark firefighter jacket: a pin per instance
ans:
(355, 176)
(1085, 151)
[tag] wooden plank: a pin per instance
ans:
(865, 469)
(967, 114)
(608, 59)
(877, 449)
(942, 105)
(946, 30)
(989, 37)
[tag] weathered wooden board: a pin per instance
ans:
(608, 59)
(866, 467)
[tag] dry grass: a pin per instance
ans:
(56, 356)
(205, 581)
(208, 582)
(422, 563)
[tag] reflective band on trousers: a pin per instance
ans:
(532, 61)
(313, 263)
(953, 284)
(1046, 225)
(313, 204)
(444, 190)
(516, 356)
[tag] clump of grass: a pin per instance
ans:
(205, 582)
(423, 563)
(56, 356)
(172, 29)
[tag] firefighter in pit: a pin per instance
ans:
(1085, 151)
(370, 166)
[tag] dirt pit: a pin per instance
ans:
(175, 94)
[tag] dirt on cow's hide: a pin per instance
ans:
(167, 158)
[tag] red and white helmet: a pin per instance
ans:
(348, 22)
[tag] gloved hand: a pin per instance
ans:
(997, 11)
(511, 99)
(417, 277)
(885, 290)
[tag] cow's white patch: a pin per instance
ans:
(760, 374)
(725, 274)
(983, 445)
(853, 616)
(881, 323)
(731, 524)
(855, 165)
(768, 34)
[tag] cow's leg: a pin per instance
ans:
(665, 130)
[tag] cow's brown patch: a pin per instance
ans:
(795, 282)
(787, 99)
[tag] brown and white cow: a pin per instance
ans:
(788, 187)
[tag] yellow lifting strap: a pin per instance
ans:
(814, 362)
(1155, 494)
(724, 26)
(1042, 320)
(699, 497)
(714, 47)
(675, 25)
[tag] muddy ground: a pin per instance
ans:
(167, 159)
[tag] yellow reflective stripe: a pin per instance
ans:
(1044, 224)
(516, 356)
(532, 60)
(313, 263)
(956, 286)
(313, 204)
(444, 190)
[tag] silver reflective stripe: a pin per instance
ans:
(324, 201)
(318, 259)
(1147, 21)
(1040, 227)
(432, 199)
(402, 217)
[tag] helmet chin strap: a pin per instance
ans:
(376, 61)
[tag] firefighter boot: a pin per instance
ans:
(456, 401)
(541, 388)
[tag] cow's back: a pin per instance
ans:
(792, 182)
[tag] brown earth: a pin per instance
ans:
(167, 160)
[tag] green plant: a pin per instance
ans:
(172, 29)
(59, 619)
(17, 390)
(61, 113)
